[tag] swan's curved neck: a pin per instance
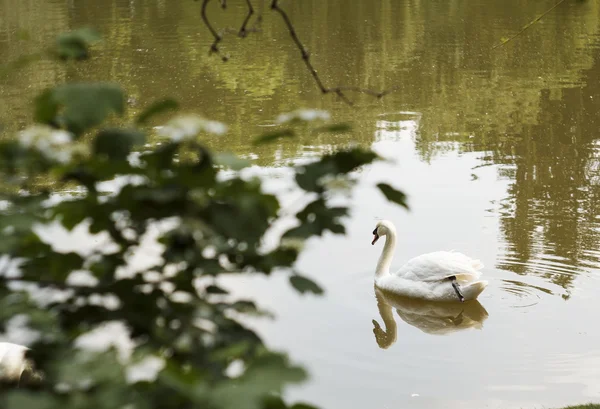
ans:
(385, 260)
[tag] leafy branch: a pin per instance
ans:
(187, 208)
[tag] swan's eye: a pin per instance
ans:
(375, 231)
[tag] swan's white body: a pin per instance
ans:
(13, 361)
(427, 276)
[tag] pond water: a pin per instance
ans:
(498, 150)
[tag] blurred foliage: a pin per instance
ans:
(204, 216)
(74, 45)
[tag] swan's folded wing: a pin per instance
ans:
(440, 265)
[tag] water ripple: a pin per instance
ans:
(526, 294)
(539, 265)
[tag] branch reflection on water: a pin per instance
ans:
(430, 317)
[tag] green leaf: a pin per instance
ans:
(301, 405)
(116, 144)
(99, 224)
(343, 162)
(244, 306)
(281, 257)
(44, 264)
(82, 105)
(213, 289)
(231, 161)
(241, 211)
(265, 375)
(305, 285)
(393, 195)
(22, 399)
(316, 218)
(274, 402)
(351, 159)
(162, 156)
(71, 212)
(74, 45)
(97, 367)
(235, 350)
(46, 107)
(269, 137)
(157, 107)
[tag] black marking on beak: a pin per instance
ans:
(375, 238)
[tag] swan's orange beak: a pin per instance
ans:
(375, 238)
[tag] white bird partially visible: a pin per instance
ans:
(437, 276)
(14, 364)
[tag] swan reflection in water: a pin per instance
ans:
(437, 318)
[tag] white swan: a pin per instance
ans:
(437, 276)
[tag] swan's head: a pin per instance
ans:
(383, 227)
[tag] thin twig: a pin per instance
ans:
(528, 25)
(339, 91)
(214, 47)
(303, 51)
(243, 33)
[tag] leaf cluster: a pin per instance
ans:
(203, 223)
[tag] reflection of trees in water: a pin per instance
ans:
(536, 112)
(550, 214)
(437, 53)
(531, 105)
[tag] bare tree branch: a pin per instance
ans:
(218, 36)
(340, 91)
(214, 47)
(528, 25)
(243, 32)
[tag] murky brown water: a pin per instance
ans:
(498, 149)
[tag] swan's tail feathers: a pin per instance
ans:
(471, 291)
